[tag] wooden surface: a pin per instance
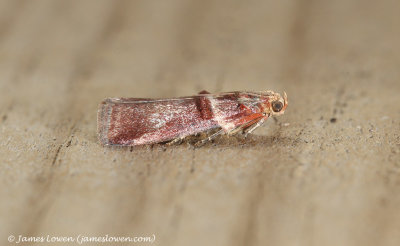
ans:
(325, 173)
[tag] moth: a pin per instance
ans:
(139, 121)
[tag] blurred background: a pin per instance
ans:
(325, 173)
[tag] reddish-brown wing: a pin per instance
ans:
(135, 122)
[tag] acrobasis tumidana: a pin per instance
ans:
(138, 121)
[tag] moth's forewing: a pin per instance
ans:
(135, 122)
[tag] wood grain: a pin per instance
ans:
(326, 173)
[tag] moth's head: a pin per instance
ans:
(276, 103)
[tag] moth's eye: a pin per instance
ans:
(277, 106)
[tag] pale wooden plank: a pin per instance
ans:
(312, 182)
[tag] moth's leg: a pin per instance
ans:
(176, 141)
(211, 137)
(236, 130)
(253, 127)
(244, 126)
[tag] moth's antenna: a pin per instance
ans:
(285, 99)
